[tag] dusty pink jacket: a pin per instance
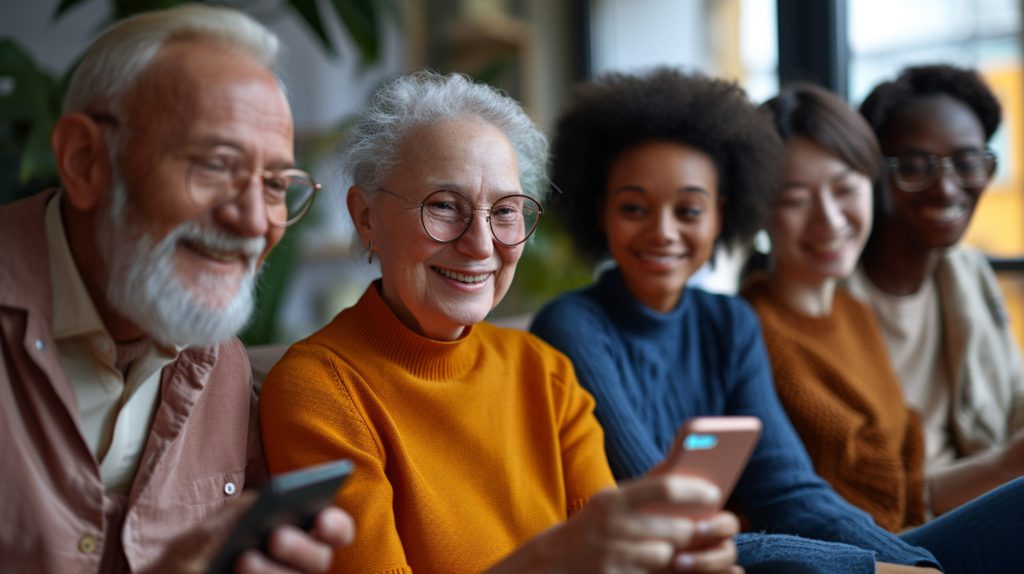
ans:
(203, 448)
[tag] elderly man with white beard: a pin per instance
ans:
(127, 417)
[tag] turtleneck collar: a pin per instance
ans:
(375, 325)
(629, 313)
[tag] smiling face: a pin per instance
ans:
(198, 103)
(661, 215)
(169, 264)
(438, 289)
(938, 216)
(821, 217)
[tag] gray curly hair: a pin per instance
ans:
(428, 97)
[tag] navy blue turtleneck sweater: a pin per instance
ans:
(649, 372)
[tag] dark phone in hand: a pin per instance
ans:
(292, 498)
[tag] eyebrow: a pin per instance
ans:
(836, 178)
(686, 189)
(208, 143)
(451, 186)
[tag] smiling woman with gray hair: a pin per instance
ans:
(475, 446)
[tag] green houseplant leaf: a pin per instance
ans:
(361, 19)
(64, 6)
(29, 105)
(311, 15)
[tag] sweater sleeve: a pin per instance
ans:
(585, 465)
(578, 328)
(779, 491)
(309, 417)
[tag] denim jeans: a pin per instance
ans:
(985, 535)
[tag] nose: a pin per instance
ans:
(829, 212)
(945, 179)
(665, 227)
(477, 242)
(246, 213)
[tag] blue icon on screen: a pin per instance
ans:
(700, 441)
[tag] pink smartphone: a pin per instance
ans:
(715, 449)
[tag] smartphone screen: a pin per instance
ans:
(292, 498)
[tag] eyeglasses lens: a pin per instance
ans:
(448, 214)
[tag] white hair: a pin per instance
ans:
(426, 98)
(114, 62)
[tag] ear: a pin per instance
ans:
(80, 149)
(359, 209)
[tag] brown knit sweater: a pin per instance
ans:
(834, 378)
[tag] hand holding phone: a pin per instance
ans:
(292, 498)
(715, 449)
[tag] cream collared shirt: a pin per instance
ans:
(115, 411)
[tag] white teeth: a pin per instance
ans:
(462, 277)
(662, 259)
(830, 245)
(944, 214)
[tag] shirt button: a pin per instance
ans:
(87, 544)
(230, 488)
(40, 345)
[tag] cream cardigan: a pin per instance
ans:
(979, 347)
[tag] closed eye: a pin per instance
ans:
(215, 162)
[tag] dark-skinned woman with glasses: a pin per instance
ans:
(475, 447)
(938, 303)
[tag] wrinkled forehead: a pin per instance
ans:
(465, 154)
(199, 85)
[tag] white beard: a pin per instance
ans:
(144, 287)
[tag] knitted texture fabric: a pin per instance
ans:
(834, 378)
(463, 450)
(649, 372)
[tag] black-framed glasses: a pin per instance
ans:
(971, 169)
(215, 178)
(446, 216)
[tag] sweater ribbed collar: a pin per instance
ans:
(378, 331)
(629, 313)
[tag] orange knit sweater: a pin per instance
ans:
(834, 378)
(463, 450)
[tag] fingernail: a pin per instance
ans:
(704, 527)
(684, 561)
